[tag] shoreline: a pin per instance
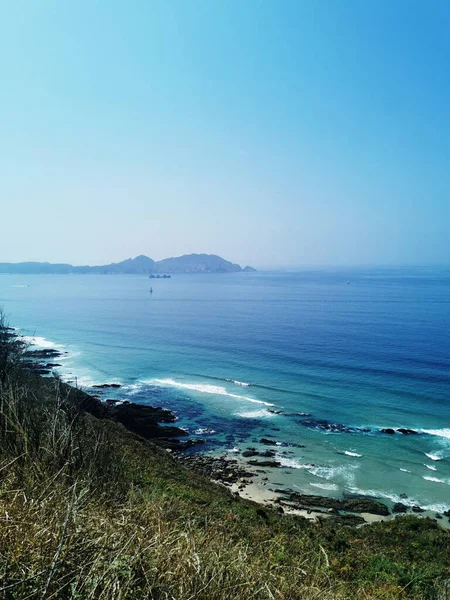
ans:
(244, 478)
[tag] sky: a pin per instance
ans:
(276, 134)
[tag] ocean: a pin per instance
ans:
(317, 361)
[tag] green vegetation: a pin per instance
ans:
(90, 510)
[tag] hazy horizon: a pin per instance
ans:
(281, 136)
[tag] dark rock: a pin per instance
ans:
(408, 431)
(249, 453)
(138, 418)
(268, 453)
(352, 496)
(358, 505)
(309, 500)
(268, 442)
(388, 430)
(417, 509)
(399, 507)
(219, 469)
(264, 463)
(40, 354)
(107, 385)
(324, 425)
(404, 496)
(366, 506)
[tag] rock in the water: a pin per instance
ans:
(264, 463)
(107, 385)
(249, 453)
(388, 430)
(324, 425)
(267, 442)
(399, 507)
(417, 509)
(407, 431)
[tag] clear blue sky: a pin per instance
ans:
(273, 133)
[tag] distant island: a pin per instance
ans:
(188, 263)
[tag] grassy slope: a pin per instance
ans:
(89, 510)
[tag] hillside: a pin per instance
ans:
(92, 510)
(196, 263)
(191, 263)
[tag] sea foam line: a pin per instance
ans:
(444, 433)
(40, 342)
(242, 383)
(433, 456)
(206, 389)
(440, 508)
(434, 479)
(256, 414)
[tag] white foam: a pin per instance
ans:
(346, 473)
(325, 486)
(349, 453)
(435, 479)
(405, 470)
(40, 342)
(256, 414)
(440, 508)
(444, 433)
(243, 383)
(203, 431)
(430, 467)
(290, 462)
(206, 389)
(132, 388)
(234, 450)
(433, 456)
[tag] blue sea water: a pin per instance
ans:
(241, 356)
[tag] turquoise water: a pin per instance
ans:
(360, 349)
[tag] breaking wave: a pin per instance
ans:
(205, 388)
(325, 486)
(256, 414)
(443, 433)
(433, 456)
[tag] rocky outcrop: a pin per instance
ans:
(107, 385)
(221, 469)
(141, 419)
(366, 506)
(324, 425)
(357, 505)
(264, 463)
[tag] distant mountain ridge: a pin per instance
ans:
(188, 263)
